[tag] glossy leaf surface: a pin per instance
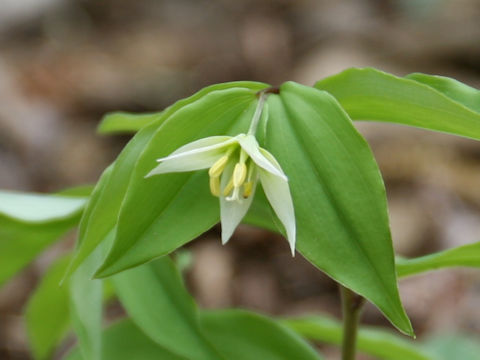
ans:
(370, 94)
(338, 193)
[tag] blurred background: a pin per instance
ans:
(65, 63)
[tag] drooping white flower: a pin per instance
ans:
(235, 165)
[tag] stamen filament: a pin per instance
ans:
(235, 194)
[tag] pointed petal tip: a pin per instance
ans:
(225, 240)
(292, 246)
(226, 235)
(151, 173)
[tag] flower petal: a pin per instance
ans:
(251, 147)
(232, 212)
(201, 145)
(278, 194)
(197, 155)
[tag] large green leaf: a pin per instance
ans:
(47, 312)
(467, 255)
(102, 214)
(124, 341)
(369, 94)
(156, 299)
(31, 222)
(122, 122)
(242, 335)
(338, 194)
(376, 342)
(163, 212)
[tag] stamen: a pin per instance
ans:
(234, 196)
(247, 189)
(239, 174)
(218, 167)
(215, 185)
(228, 188)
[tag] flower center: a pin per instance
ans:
(240, 183)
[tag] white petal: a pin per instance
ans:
(251, 147)
(199, 146)
(232, 212)
(187, 163)
(197, 155)
(278, 194)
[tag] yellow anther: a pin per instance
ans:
(228, 188)
(215, 185)
(239, 174)
(247, 189)
(218, 167)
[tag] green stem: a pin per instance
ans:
(257, 114)
(351, 308)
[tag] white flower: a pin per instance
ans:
(235, 166)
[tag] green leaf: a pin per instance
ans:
(123, 122)
(467, 255)
(47, 312)
(242, 335)
(91, 205)
(369, 94)
(372, 341)
(124, 341)
(102, 213)
(29, 223)
(38, 208)
(454, 346)
(77, 191)
(338, 194)
(454, 89)
(156, 299)
(86, 301)
(163, 212)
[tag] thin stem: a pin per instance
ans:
(351, 307)
(258, 114)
